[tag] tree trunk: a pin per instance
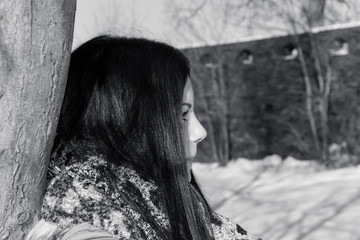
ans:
(35, 46)
(309, 97)
(325, 113)
(219, 116)
(223, 115)
(324, 92)
(215, 115)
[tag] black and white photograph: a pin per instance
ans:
(180, 120)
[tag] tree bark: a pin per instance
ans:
(35, 47)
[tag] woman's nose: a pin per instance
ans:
(197, 131)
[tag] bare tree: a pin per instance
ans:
(35, 40)
(294, 17)
(214, 66)
(302, 17)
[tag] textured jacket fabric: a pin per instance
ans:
(80, 191)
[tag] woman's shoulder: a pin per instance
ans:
(98, 193)
(78, 192)
(78, 177)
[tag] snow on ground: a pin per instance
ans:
(285, 199)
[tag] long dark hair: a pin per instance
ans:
(123, 99)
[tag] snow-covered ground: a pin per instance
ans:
(285, 200)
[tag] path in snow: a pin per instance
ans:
(285, 200)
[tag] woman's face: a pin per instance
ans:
(194, 132)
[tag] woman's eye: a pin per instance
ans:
(184, 115)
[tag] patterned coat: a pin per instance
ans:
(79, 191)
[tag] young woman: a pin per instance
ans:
(127, 136)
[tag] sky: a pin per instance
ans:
(211, 25)
(123, 17)
(152, 19)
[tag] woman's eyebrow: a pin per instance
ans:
(187, 104)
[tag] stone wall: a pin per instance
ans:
(265, 94)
